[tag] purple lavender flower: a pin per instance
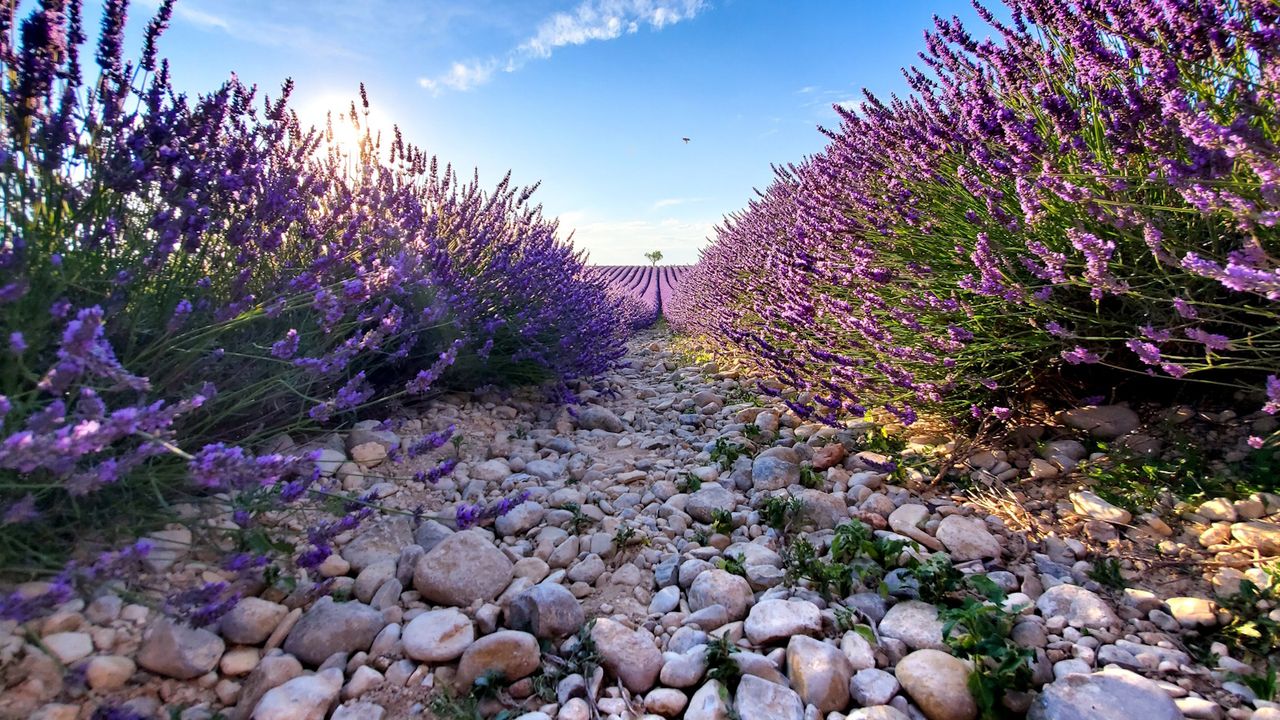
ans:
(1146, 352)
(1210, 340)
(1080, 356)
(286, 347)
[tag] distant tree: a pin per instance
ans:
(653, 257)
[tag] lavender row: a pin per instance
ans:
(1094, 187)
(183, 278)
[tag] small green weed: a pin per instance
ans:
(979, 630)
(720, 663)
(725, 453)
(688, 483)
(1251, 630)
(1264, 685)
(811, 478)
(732, 564)
(580, 521)
(779, 512)
(1106, 572)
(583, 660)
(722, 521)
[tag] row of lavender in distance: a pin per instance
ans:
(646, 289)
(1093, 188)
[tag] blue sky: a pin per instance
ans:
(592, 97)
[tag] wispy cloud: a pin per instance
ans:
(248, 23)
(590, 21)
(672, 202)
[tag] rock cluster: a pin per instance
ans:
(644, 545)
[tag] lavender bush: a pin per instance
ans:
(1095, 186)
(183, 278)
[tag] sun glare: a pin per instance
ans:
(345, 123)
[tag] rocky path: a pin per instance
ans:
(681, 549)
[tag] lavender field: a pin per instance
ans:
(969, 414)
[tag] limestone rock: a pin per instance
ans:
(773, 620)
(512, 653)
(759, 699)
(308, 697)
(380, 541)
(628, 654)
(938, 683)
(1105, 422)
(547, 611)
(251, 621)
(708, 703)
(461, 569)
(1090, 505)
(438, 636)
(967, 538)
(709, 498)
(330, 627)
(914, 623)
(1111, 694)
(1081, 607)
(819, 672)
(719, 587)
(178, 651)
(773, 473)
(595, 417)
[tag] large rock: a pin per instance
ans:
(708, 703)
(330, 627)
(379, 542)
(629, 654)
(303, 698)
(272, 671)
(938, 683)
(251, 621)
(709, 498)
(595, 417)
(872, 686)
(1081, 607)
(819, 672)
(1105, 422)
(909, 520)
(1090, 505)
(461, 569)
(438, 636)
(823, 510)
(773, 620)
(774, 473)
(759, 699)
(511, 653)
(179, 651)
(720, 587)
(1260, 534)
(547, 610)
(914, 623)
(491, 471)
(967, 538)
(1112, 694)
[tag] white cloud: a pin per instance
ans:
(461, 76)
(672, 202)
(624, 242)
(590, 21)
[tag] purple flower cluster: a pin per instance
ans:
(470, 515)
(1062, 193)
